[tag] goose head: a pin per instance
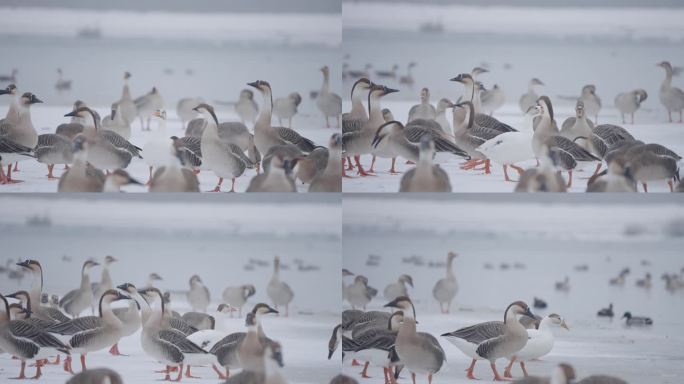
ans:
(346, 272)
(641, 95)
(544, 107)
(403, 303)
(127, 75)
(246, 94)
(28, 98)
(444, 104)
(518, 308)
(225, 308)
(378, 91)
(31, 265)
(558, 321)
(207, 111)
(248, 291)
(451, 256)
(112, 295)
(665, 65)
(579, 109)
(387, 115)
(262, 309)
(424, 95)
(589, 89)
(463, 78)
(406, 279)
(10, 90)
(195, 280)
(535, 82)
(325, 70)
(360, 279)
(263, 86)
(88, 265)
(361, 85)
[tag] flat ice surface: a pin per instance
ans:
(218, 250)
(549, 240)
(519, 44)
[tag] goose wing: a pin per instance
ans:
(350, 124)
(291, 136)
(182, 326)
(69, 130)
(492, 123)
(178, 339)
(9, 146)
(237, 151)
(479, 332)
(120, 142)
(76, 325)
(570, 147)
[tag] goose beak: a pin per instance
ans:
(254, 84)
(24, 264)
(330, 353)
(458, 78)
(4, 91)
(36, 100)
(70, 114)
(563, 325)
(391, 304)
(390, 90)
(122, 287)
(529, 313)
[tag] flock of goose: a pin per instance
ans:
(38, 327)
(390, 339)
(96, 151)
(479, 138)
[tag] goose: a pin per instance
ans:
(539, 343)
(146, 105)
(106, 149)
(616, 178)
(225, 160)
(620, 279)
(440, 117)
(398, 288)
(546, 134)
(207, 338)
(330, 104)
(246, 107)
(198, 296)
(227, 349)
(23, 340)
(12, 77)
(151, 278)
(250, 351)
(330, 179)
(286, 107)
(237, 297)
(116, 123)
(166, 345)
(75, 301)
(130, 316)
(185, 111)
(408, 78)
(470, 94)
(53, 148)
(445, 289)
(359, 142)
(544, 178)
(81, 176)
(424, 110)
(279, 291)
(579, 127)
(645, 282)
(359, 293)
(376, 346)
(104, 335)
(10, 151)
(27, 308)
(126, 107)
(492, 99)
(539, 303)
(509, 148)
(267, 136)
(176, 175)
(355, 119)
(652, 162)
(469, 135)
(96, 376)
(629, 102)
(51, 314)
(592, 103)
(173, 320)
(105, 283)
(273, 361)
(19, 131)
(277, 178)
(529, 99)
(425, 177)
(419, 352)
(606, 312)
(493, 340)
(62, 84)
(563, 374)
(636, 320)
(671, 97)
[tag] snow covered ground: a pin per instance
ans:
(606, 49)
(179, 237)
(547, 240)
(47, 118)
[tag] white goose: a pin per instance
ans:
(509, 148)
(539, 342)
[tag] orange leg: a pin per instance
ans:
(364, 373)
(232, 186)
(522, 366)
(645, 187)
(372, 168)
(218, 186)
(114, 350)
(470, 370)
(350, 166)
(598, 167)
(180, 374)
(570, 178)
(149, 179)
(50, 176)
(16, 166)
(507, 371)
(386, 375)
(392, 170)
(189, 375)
(9, 176)
(496, 373)
(21, 373)
(67, 365)
(671, 184)
(505, 168)
(359, 167)
(83, 364)
(429, 378)
(219, 373)
(39, 364)
(344, 167)
(413, 377)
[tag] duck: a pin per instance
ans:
(398, 288)
(636, 320)
(76, 300)
(419, 352)
(629, 102)
(494, 339)
(606, 312)
(645, 282)
(445, 289)
(539, 343)
(279, 291)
